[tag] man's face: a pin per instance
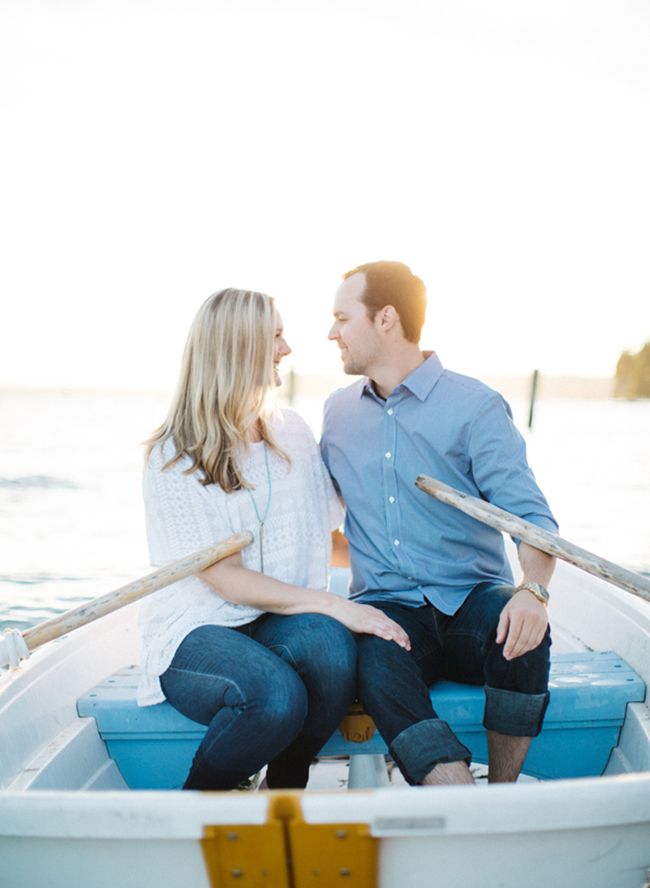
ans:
(354, 332)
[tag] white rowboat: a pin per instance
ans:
(67, 818)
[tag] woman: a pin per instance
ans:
(252, 646)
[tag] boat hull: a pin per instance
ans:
(66, 820)
(566, 833)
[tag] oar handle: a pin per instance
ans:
(105, 604)
(536, 536)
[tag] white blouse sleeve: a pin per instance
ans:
(179, 518)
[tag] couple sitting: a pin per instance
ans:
(254, 647)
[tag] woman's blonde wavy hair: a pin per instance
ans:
(225, 387)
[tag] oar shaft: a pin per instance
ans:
(536, 536)
(105, 604)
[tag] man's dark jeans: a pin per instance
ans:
(393, 683)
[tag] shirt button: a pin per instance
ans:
(390, 412)
(391, 499)
(388, 455)
(397, 542)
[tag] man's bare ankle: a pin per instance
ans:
(448, 774)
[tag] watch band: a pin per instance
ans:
(539, 591)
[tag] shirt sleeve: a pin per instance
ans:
(323, 438)
(499, 466)
(178, 515)
(335, 504)
(325, 455)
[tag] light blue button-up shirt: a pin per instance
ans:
(404, 544)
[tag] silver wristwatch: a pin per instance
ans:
(539, 591)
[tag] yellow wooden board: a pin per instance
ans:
(286, 852)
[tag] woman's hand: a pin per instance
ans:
(370, 620)
(234, 582)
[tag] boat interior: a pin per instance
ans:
(597, 721)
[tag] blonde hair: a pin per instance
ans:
(224, 387)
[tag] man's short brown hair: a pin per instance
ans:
(393, 283)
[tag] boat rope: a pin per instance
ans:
(13, 649)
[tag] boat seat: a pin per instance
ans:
(154, 745)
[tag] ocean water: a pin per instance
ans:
(71, 517)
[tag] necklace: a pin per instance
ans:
(262, 520)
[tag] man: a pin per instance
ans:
(443, 576)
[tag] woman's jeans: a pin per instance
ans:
(271, 692)
(393, 683)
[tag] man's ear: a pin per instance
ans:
(388, 317)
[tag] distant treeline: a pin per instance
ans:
(633, 374)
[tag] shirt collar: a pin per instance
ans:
(419, 383)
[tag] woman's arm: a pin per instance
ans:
(236, 583)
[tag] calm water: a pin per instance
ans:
(71, 519)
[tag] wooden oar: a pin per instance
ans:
(105, 604)
(535, 536)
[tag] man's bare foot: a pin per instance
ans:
(448, 774)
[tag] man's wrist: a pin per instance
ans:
(540, 592)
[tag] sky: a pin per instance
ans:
(155, 152)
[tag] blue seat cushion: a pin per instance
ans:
(154, 745)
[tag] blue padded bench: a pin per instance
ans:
(154, 746)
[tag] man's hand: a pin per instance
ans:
(522, 624)
(523, 620)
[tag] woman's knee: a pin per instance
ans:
(329, 667)
(274, 709)
(330, 646)
(315, 645)
(277, 691)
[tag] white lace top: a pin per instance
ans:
(182, 517)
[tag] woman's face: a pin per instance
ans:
(280, 347)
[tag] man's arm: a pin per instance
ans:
(524, 619)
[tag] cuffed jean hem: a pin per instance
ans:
(418, 749)
(513, 713)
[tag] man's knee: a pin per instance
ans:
(378, 656)
(527, 674)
